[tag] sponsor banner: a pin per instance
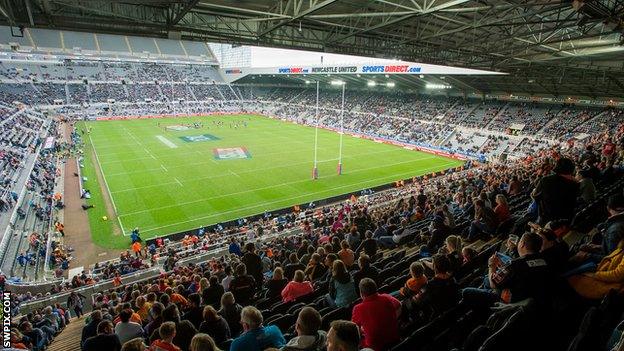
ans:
(234, 71)
(231, 153)
(395, 68)
(199, 138)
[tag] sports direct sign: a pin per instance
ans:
(351, 69)
(397, 67)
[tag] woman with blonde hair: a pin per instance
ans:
(231, 312)
(297, 287)
(276, 284)
(203, 342)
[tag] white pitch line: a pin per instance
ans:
(284, 184)
(234, 173)
(267, 203)
(270, 168)
(163, 167)
(177, 181)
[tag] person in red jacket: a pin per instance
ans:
(297, 287)
(377, 316)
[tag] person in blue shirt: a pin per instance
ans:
(235, 248)
(256, 337)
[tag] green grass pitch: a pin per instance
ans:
(164, 183)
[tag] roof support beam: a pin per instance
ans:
(183, 12)
(297, 16)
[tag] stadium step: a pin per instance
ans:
(69, 338)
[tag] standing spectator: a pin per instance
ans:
(309, 336)
(556, 193)
(256, 337)
(377, 315)
(253, 262)
(75, 302)
(296, 288)
(104, 340)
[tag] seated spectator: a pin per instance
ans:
(484, 223)
(194, 313)
(276, 284)
(315, 269)
(104, 340)
(612, 232)
(417, 280)
(502, 208)
(377, 316)
(365, 270)
(346, 255)
(231, 312)
(256, 337)
(343, 336)
(309, 336)
(609, 275)
(341, 286)
(135, 344)
(203, 342)
(297, 287)
(126, 329)
(215, 325)
(438, 231)
(528, 276)
(243, 286)
(587, 189)
(368, 245)
(184, 329)
(292, 266)
(167, 332)
(156, 320)
(212, 294)
(90, 329)
(438, 295)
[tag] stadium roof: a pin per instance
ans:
(549, 47)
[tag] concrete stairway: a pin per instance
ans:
(69, 338)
